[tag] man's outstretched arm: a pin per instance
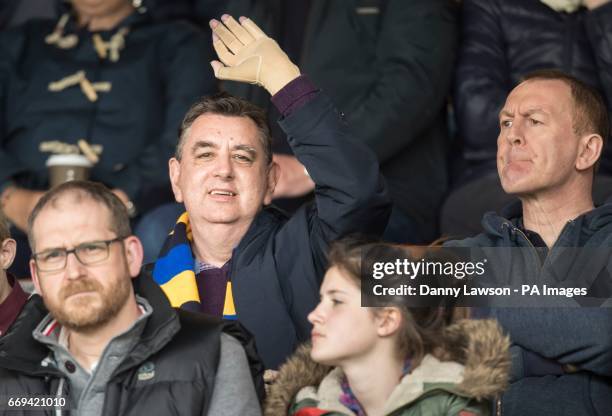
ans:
(350, 194)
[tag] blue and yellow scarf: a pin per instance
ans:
(174, 271)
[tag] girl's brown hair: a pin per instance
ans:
(422, 330)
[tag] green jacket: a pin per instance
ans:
(476, 372)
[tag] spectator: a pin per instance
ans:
(425, 364)
(231, 254)
(105, 346)
(387, 64)
(552, 134)
(105, 73)
(12, 296)
(502, 41)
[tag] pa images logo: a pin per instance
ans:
(146, 371)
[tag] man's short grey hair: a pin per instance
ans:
(224, 104)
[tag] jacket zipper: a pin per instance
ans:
(498, 406)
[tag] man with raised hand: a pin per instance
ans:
(101, 335)
(233, 255)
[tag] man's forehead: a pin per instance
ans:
(542, 95)
(65, 215)
(218, 129)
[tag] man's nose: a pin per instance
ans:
(224, 168)
(514, 134)
(74, 268)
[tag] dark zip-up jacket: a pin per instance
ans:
(503, 41)
(562, 357)
(277, 268)
(183, 347)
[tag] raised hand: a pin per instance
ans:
(247, 54)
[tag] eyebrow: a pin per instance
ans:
(202, 144)
(534, 110)
(335, 292)
(529, 112)
(249, 149)
(65, 248)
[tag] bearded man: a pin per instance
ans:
(106, 341)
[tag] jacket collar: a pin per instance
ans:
(582, 228)
(20, 352)
(266, 221)
(476, 365)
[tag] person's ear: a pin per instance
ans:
(388, 321)
(35, 277)
(8, 248)
(174, 170)
(273, 176)
(134, 254)
(589, 151)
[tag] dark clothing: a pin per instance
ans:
(503, 41)
(212, 284)
(579, 336)
(162, 68)
(278, 266)
(16, 12)
(12, 305)
(387, 65)
(197, 11)
(178, 351)
(464, 208)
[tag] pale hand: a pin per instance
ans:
(293, 181)
(247, 54)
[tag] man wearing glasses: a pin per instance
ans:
(108, 341)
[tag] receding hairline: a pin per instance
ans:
(574, 107)
(78, 195)
(574, 88)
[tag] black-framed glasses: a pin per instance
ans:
(88, 253)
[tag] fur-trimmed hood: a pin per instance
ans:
(476, 364)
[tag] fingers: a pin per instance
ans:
(230, 41)
(241, 34)
(216, 66)
(252, 28)
(223, 53)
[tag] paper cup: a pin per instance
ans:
(66, 168)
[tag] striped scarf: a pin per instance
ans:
(174, 271)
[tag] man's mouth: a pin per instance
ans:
(83, 292)
(221, 192)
